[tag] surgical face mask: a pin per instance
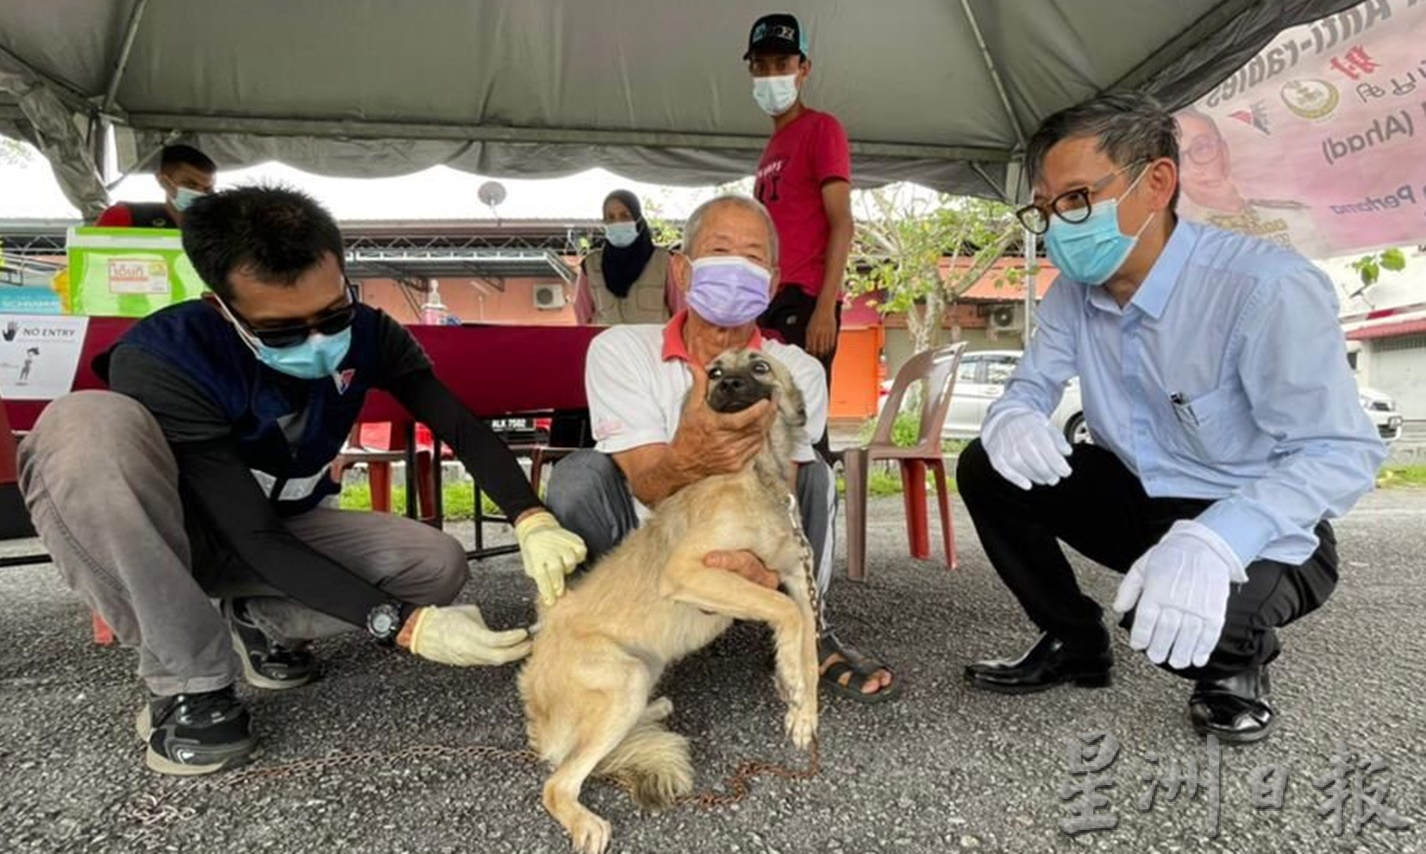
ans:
(775, 95)
(1092, 251)
(621, 234)
(729, 290)
(317, 357)
(183, 197)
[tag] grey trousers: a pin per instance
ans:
(589, 495)
(101, 483)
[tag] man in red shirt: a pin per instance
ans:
(804, 180)
(185, 174)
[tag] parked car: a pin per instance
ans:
(1382, 410)
(981, 379)
(982, 376)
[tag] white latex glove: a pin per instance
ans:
(1025, 448)
(457, 634)
(549, 552)
(1181, 587)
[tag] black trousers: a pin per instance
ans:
(1102, 511)
(786, 319)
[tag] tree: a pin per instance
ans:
(1369, 267)
(13, 152)
(903, 237)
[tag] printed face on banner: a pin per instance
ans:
(1319, 142)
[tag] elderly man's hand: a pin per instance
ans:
(743, 563)
(711, 442)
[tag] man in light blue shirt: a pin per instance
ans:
(1226, 429)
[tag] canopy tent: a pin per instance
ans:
(942, 92)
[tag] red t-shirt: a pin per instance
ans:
(798, 161)
(135, 215)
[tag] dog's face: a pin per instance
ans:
(739, 378)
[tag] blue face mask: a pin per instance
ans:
(183, 198)
(317, 357)
(621, 234)
(1092, 251)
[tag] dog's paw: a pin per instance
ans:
(589, 834)
(801, 725)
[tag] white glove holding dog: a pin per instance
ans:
(1181, 587)
(1025, 448)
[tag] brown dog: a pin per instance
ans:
(604, 645)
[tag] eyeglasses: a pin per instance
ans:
(1204, 149)
(1072, 206)
(331, 323)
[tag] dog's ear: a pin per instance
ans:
(789, 400)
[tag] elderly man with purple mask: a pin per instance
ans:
(651, 443)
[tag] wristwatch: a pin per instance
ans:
(384, 622)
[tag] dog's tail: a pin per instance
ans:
(652, 763)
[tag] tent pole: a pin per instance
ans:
(125, 47)
(1030, 290)
(994, 73)
(143, 160)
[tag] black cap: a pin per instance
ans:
(780, 33)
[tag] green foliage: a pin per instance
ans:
(458, 500)
(14, 152)
(905, 430)
(902, 237)
(1410, 476)
(1369, 267)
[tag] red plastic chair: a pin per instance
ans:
(378, 446)
(936, 369)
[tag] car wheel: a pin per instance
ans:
(1077, 430)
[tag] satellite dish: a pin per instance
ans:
(491, 194)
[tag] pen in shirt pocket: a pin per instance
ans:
(1183, 408)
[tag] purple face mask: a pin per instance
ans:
(729, 290)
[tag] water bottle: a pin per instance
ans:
(434, 313)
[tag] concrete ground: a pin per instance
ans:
(945, 769)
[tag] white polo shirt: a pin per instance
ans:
(636, 379)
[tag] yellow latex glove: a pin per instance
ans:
(549, 551)
(457, 634)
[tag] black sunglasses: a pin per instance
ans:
(331, 323)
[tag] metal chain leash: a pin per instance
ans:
(804, 547)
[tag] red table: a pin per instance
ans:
(494, 370)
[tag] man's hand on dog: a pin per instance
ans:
(743, 563)
(709, 442)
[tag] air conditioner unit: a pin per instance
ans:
(1006, 318)
(549, 297)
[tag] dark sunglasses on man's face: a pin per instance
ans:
(331, 323)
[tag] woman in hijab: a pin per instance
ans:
(628, 279)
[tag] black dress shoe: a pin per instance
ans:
(1047, 664)
(1237, 709)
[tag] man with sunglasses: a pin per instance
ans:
(1226, 430)
(202, 472)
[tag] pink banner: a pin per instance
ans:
(1319, 142)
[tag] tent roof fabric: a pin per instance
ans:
(651, 89)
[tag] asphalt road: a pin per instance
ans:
(945, 769)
